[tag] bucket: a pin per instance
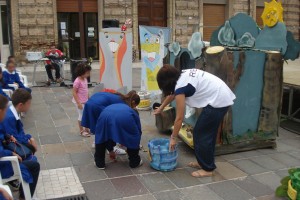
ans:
(161, 158)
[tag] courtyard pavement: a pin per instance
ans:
(68, 169)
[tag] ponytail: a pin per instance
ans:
(132, 96)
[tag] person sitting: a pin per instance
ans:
(95, 105)
(1, 85)
(53, 52)
(119, 123)
(11, 59)
(12, 79)
(30, 169)
(21, 101)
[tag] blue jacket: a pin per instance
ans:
(14, 127)
(95, 105)
(3, 93)
(121, 124)
(6, 169)
(12, 78)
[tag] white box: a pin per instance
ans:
(33, 56)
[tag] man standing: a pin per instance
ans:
(53, 63)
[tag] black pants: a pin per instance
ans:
(49, 72)
(34, 168)
(133, 154)
(205, 136)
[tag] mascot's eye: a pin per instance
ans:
(147, 39)
(121, 36)
(106, 36)
(157, 40)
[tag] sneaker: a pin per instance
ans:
(59, 80)
(100, 167)
(15, 185)
(119, 151)
(141, 163)
(93, 145)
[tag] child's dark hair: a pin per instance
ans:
(3, 102)
(10, 57)
(167, 78)
(20, 96)
(82, 68)
(9, 62)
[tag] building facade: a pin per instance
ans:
(73, 25)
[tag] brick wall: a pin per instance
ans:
(291, 16)
(187, 20)
(33, 25)
(116, 9)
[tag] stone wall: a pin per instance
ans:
(291, 16)
(116, 9)
(187, 20)
(33, 25)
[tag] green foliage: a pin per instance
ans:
(285, 180)
(281, 191)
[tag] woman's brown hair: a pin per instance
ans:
(132, 96)
(167, 78)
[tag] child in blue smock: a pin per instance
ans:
(30, 168)
(11, 77)
(119, 123)
(12, 125)
(1, 85)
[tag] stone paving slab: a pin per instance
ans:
(246, 175)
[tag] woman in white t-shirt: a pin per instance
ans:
(197, 89)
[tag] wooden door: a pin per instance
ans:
(152, 12)
(213, 17)
(259, 11)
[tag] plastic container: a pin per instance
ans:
(292, 193)
(161, 158)
(145, 103)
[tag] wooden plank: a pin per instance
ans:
(259, 11)
(67, 6)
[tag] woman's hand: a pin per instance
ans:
(19, 157)
(157, 111)
(173, 143)
(79, 105)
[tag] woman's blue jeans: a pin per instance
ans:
(205, 135)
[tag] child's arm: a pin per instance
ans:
(75, 89)
(18, 81)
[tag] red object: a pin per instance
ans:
(124, 28)
(109, 90)
(57, 52)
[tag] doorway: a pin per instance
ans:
(152, 12)
(78, 28)
(4, 34)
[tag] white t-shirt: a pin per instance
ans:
(207, 88)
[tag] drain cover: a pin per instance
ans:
(76, 197)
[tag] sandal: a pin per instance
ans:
(194, 165)
(201, 173)
(85, 134)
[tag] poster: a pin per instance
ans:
(77, 34)
(62, 25)
(153, 50)
(116, 58)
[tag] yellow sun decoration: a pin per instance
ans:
(272, 14)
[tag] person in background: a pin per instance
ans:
(12, 125)
(1, 85)
(11, 77)
(11, 59)
(81, 94)
(119, 123)
(95, 105)
(51, 65)
(197, 89)
(30, 169)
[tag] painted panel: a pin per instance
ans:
(116, 58)
(153, 50)
(246, 108)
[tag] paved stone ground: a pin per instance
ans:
(247, 175)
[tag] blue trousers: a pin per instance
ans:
(205, 135)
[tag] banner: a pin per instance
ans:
(116, 58)
(153, 50)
